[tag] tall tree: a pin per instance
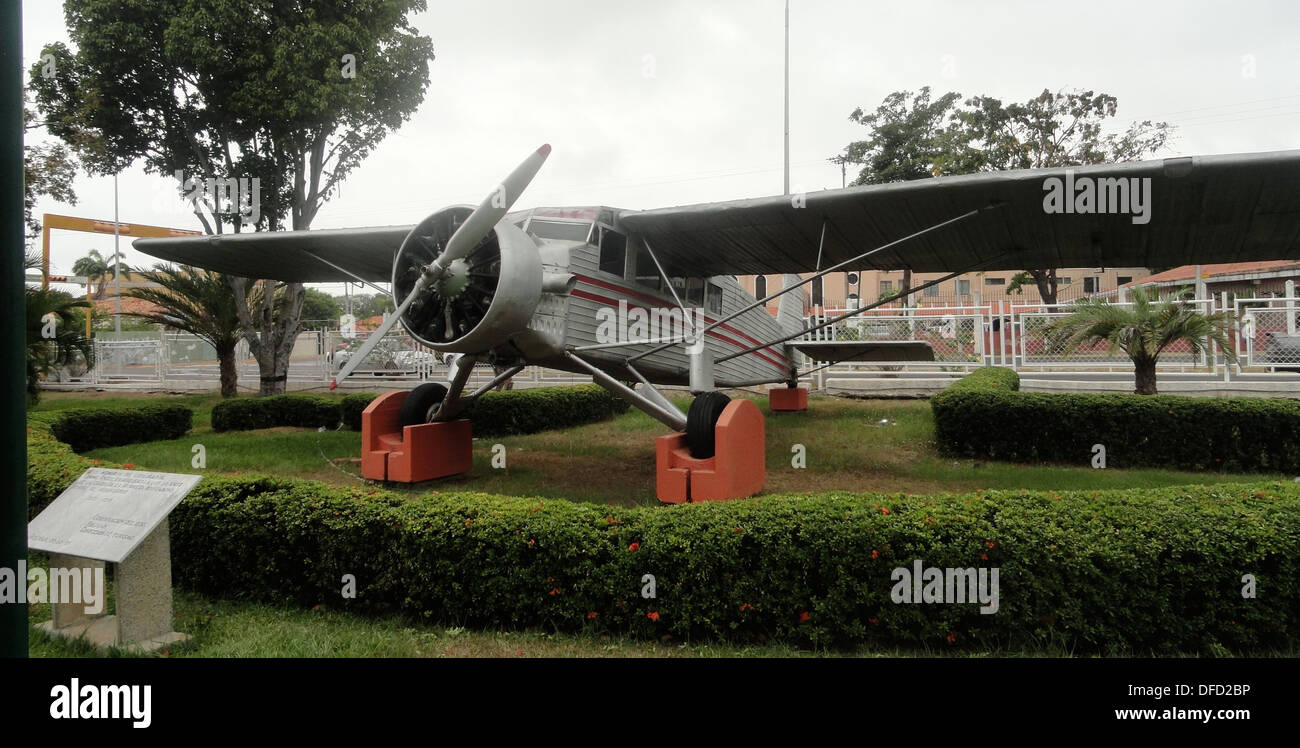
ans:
(912, 137)
(318, 307)
(288, 96)
(48, 171)
(199, 302)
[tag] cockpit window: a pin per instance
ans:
(563, 230)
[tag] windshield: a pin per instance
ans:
(568, 231)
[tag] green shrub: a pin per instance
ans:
(244, 413)
(84, 429)
(519, 411)
(983, 415)
(1143, 570)
(530, 411)
(350, 408)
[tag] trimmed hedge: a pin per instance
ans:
(92, 428)
(350, 408)
(244, 413)
(984, 415)
(519, 411)
(1144, 570)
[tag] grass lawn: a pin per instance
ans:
(855, 445)
(858, 445)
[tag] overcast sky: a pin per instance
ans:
(673, 102)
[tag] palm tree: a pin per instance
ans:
(199, 302)
(1143, 330)
(54, 337)
(97, 268)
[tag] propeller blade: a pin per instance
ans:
(373, 339)
(493, 208)
(467, 236)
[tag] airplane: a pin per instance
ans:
(549, 286)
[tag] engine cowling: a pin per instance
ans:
(482, 299)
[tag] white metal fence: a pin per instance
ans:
(1265, 338)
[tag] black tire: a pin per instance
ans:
(420, 405)
(705, 411)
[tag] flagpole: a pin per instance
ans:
(787, 97)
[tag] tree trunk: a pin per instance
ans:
(270, 336)
(1047, 284)
(1144, 377)
(229, 374)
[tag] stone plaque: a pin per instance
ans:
(107, 513)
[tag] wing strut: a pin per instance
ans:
(345, 271)
(763, 301)
(869, 307)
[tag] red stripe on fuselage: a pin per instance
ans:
(614, 303)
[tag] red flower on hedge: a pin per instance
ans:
(634, 546)
(984, 557)
(531, 542)
(875, 553)
(884, 510)
(874, 621)
(745, 606)
(952, 636)
(990, 544)
(128, 466)
(652, 615)
(592, 615)
(803, 616)
(554, 591)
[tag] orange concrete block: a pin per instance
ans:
(415, 453)
(788, 398)
(737, 468)
(381, 431)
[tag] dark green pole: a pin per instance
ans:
(13, 334)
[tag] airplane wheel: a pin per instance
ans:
(422, 403)
(705, 411)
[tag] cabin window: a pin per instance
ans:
(886, 288)
(646, 272)
(1091, 285)
(963, 287)
(760, 286)
(679, 286)
(995, 281)
(817, 291)
(713, 300)
(613, 252)
(694, 293)
(931, 292)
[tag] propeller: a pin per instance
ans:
(468, 235)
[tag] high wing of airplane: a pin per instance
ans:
(651, 297)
